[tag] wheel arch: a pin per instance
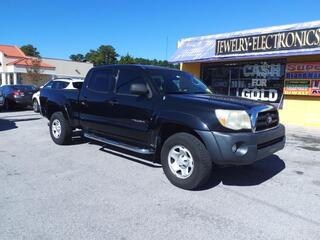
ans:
(168, 129)
(53, 107)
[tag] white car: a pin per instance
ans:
(58, 83)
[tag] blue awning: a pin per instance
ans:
(201, 49)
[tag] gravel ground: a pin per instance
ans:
(82, 191)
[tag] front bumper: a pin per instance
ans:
(243, 148)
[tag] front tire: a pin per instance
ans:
(186, 161)
(35, 106)
(60, 129)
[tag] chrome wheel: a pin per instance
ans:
(180, 161)
(56, 128)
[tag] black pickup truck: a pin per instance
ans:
(167, 113)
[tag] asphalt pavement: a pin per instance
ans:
(84, 191)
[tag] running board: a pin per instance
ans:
(118, 144)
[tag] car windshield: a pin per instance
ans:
(23, 87)
(177, 82)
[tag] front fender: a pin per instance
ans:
(181, 118)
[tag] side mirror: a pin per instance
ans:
(139, 89)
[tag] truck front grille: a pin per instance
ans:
(266, 120)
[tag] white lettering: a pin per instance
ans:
(262, 70)
(268, 95)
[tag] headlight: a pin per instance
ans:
(233, 119)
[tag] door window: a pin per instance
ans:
(59, 85)
(48, 85)
(101, 80)
(126, 78)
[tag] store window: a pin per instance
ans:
(253, 80)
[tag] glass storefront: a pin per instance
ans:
(258, 80)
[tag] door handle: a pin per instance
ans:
(113, 102)
(84, 103)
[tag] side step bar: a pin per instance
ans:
(118, 144)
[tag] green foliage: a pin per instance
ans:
(155, 62)
(30, 50)
(127, 59)
(106, 54)
(77, 57)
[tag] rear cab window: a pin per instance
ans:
(101, 80)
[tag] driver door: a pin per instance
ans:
(132, 113)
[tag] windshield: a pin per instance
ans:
(177, 82)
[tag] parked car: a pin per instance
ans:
(58, 83)
(16, 96)
(167, 113)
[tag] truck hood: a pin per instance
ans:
(219, 101)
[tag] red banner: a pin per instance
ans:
(303, 67)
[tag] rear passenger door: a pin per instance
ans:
(96, 113)
(132, 113)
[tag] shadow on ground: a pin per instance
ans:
(9, 124)
(249, 175)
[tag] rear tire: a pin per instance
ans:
(35, 105)
(60, 129)
(186, 161)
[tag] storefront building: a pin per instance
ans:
(15, 67)
(279, 65)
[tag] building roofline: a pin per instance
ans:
(17, 48)
(17, 63)
(67, 60)
(252, 31)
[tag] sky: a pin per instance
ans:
(148, 29)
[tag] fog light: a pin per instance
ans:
(234, 148)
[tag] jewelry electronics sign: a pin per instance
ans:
(269, 42)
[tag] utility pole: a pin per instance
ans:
(167, 48)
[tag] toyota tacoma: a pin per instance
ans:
(168, 114)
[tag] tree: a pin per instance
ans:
(127, 59)
(30, 50)
(155, 62)
(77, 57)
(92, 57)
(34, 71)
(108, 54)
(105, 54)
